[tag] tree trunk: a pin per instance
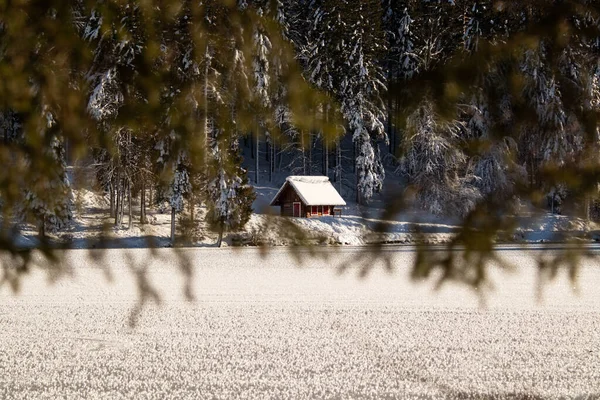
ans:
(357, 188)
(256, 157)
(111, 188)
(221, 230)
(130, 206)
(172, 225)
(588, 207)
(397, 137)
(326, 157)
(42, 228)
(354, 157)
(280, 159)
(389, 110)
(143, 202)
(205, 133)
(271, 160)
(356, 177)
(310, 153)
(271, 170)
(122, 211)
(339, 165)
(192, 205)
(118, 195)
(268, 150)
(335, 162)
(531, 175)
(274, 156)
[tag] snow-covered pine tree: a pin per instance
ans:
(47, 198)
(495, 166)
(546, 138)
(401, 62)
(262, 84)
(320, 51)
(341, 54)
(436, 30)
(10, 126)
(435, 165)
(478, 23)
(400, 32)
(229, 195)
(362, 81)
(117, 45)
(103, 105)
(180, 188)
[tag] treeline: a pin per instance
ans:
(468, 100)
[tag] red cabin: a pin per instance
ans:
(308, 196)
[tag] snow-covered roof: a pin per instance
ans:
(313, 190)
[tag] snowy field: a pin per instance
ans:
(266, 328)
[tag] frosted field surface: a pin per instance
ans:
(266, 328)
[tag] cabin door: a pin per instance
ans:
(296, 209)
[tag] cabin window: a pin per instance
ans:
(315, 210)
(326, 210)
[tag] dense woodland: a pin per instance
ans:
(466, 101)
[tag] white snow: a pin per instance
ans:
(265, 328)
(358, 225)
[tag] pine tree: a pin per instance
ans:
(361, 102)
(434, 164)
(495, 168)
(262, 85)
(342, 57)
(230, 197)
(179, 190)
(546, 138)
(47, 199)
(400, 32)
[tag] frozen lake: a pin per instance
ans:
(266, 328)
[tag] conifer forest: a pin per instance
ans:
(467, 105)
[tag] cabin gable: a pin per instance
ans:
(287, 198)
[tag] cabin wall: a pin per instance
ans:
(318, 211)
(287, 199)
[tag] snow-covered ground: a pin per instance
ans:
(264, 328)
(92, 227)
(358, 224)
